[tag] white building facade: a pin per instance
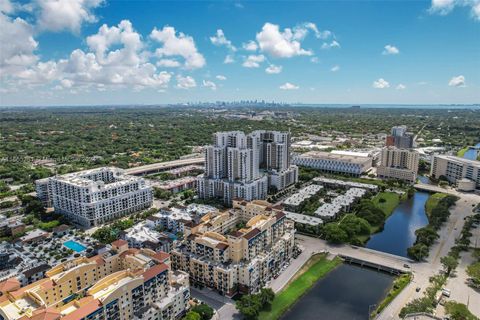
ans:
(96, 196)
(455, 169)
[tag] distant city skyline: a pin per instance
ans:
(100, 52)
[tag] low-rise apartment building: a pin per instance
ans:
(237, 250)
(334, 163)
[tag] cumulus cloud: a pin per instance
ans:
(181, 45)
(185, 82)
(253, 61)
(288, 86)
(302, 30)
(381, 84)
(221, 77)
(280, 44)
(59, 15)
(400, 87)
(444, 7)
(389, 49)
(115, 58)
(335, 68)
(169, 63)
(273, 69)
(228, 59)
(209, 84)
(458, 81)
(330, 45)
(250, 46)
(219, 39)
(18, 44)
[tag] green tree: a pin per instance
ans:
(423, 304)
(418, 251)
(449, 263)
(458, 311)
(249, 306)
(204, 310)
(266, 296)
(473, 271)
(191, 315)
(334, 233)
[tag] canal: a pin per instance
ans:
(348, 292)
(472, 154)
(399, 230)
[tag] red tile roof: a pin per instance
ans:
(119, 243)
(251, 234)
(154, 271)
(9, 285)
(84, 310)
(161, 256)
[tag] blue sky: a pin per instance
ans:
(82, 52)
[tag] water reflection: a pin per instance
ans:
(345, 293)
(399, 231)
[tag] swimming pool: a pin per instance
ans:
(75, 246)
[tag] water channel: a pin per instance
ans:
(399, 230)
(471, 153)
(348, 292)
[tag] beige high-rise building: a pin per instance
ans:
(237, 250)
(399, 164)
(120, 284)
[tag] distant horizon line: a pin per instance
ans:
(260, 104)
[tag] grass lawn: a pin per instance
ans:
(462, 151)
(315, 268)
(433, 201)
(392, 201)
(398, 285)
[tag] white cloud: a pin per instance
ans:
(181, 45)
(250, 46)
(185, 82)
(115, 58)
(335, 68)
(314, 60)
(458, 81)
(400, 87)
(389, 49)
(444, 7)
(253, 61)
(229, 59)
(169, 63)
(288, 86)
(273, 69)
(381, 84)
(332, 44)
(302, 30)
(59, 15)
(209, 84)
(219, 39)
(17, 45)
(221, 77)
(6, 6)
(280, 44)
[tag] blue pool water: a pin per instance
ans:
(75, 246)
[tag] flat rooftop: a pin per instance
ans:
(335, 157)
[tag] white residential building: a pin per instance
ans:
(93, 197)
(334, 163)
(454, 169)
(296, 199)
(245, 166)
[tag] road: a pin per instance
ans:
(156, 167)
(423, 271)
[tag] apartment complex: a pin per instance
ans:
(334, 163)
(240, 165)
(237, 250)
(92, 197)
(455, 169)
(120, 284)
(399, 138)
(401, 164)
